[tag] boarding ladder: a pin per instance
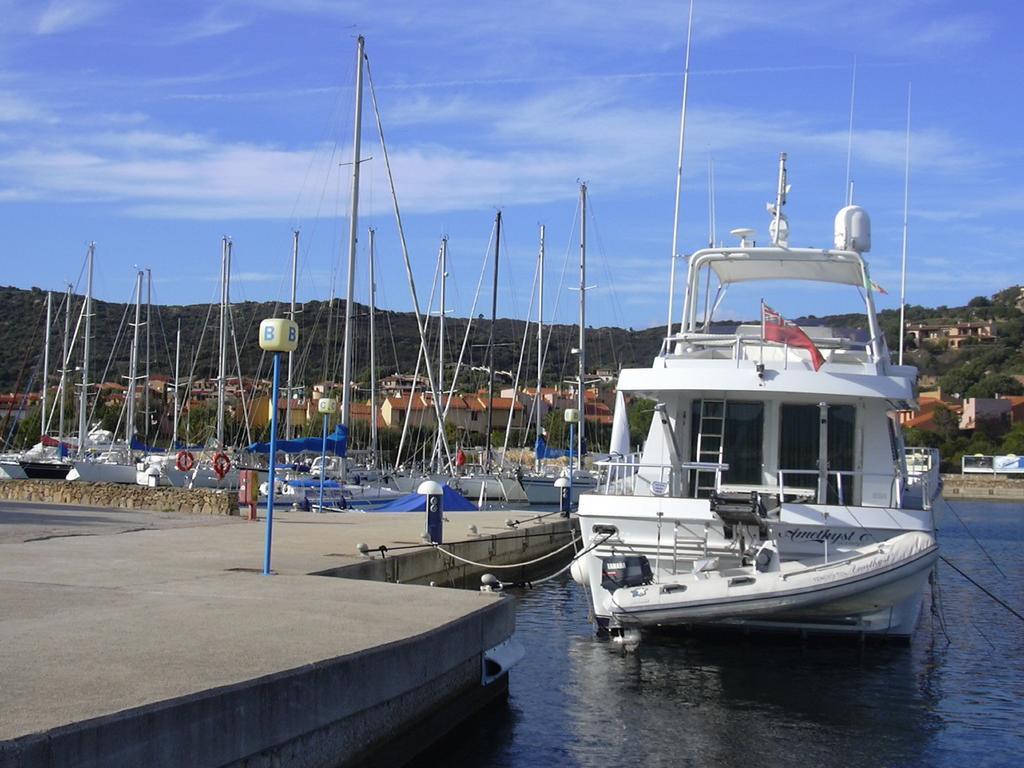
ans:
(710, 445)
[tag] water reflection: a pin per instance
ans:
(577, 700)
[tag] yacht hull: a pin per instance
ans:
(45, 470)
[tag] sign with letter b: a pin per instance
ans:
(279, 335)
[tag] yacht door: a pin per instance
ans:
(799, 443)
(798, 450)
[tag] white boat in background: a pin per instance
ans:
(116, 465)
(540, 486)
(773, 490)
(473, 482)
(11, 470)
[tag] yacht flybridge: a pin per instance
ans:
(772, 491)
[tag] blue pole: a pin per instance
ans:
(273, 461)
(572, 442)
(323, 463)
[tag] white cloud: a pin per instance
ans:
(65, 15)
(17, 109)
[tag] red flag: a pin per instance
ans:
(774, 327)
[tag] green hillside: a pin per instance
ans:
(975, 370)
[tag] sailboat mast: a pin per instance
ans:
(62, 390)
(540, 337)
(679, 175)
(440, 325)
(177, 383)
(291, 316)
(83, 400)
(346, 376)
(373, 354)
(222, 356)
(581, 400)
(46, 365)
(145, 392)
(490, 340)
(133, 364)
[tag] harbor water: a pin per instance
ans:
(953, 696)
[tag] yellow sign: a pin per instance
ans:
(279, 335)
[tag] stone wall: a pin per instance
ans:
(199, 501)
(973, 486)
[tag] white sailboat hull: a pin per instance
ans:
(11, 470)
(540, 489)
(102, 472)
(493, 487)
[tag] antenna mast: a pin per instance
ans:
(848, 187)
(906, 230)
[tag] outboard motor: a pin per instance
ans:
(625, 571)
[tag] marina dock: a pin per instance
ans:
(148, 638)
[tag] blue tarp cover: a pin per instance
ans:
(138, 445)
(337, 443)
(453, 501)
(545, 452)
(309, 482)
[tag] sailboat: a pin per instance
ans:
(46, 460)
(539, 485)
(483, 481)
(116, 462)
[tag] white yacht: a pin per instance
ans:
(772, 491)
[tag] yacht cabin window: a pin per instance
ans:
(729, 432)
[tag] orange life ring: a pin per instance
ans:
(185, 461)
(221, 465)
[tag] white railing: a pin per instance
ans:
(632, 477)
(923, 472)
(739, 347)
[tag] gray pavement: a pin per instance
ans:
(103, 610)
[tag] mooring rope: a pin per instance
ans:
(540, 559)
(996, 599)
(971, 534)
(565, 568)
(384, 548)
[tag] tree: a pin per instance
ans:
(980, 301)
(996, 384)
(957, 382)
(921, 438)
(947, 423)
(1013, 441)
(640, 412)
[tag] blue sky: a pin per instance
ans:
(156, 128)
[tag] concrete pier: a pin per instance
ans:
(984, 487)
(139, 638)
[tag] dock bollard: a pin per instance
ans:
(435, 511)
(564, 495)
(249, 491)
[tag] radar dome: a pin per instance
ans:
(853, 229)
